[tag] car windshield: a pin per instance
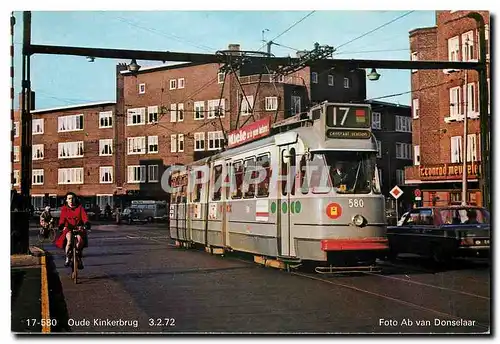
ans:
(464, 216)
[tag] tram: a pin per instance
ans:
(317, 200)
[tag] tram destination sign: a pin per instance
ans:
(346, 116)
(347, 134)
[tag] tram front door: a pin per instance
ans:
(286, 188)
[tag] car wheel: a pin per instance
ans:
(439, 255)
(150, 219)
(129, 221)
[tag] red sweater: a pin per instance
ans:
(72, 216)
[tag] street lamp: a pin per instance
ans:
(133, 66)
(373, 75)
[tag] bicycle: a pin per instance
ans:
(51, 234)
(75, 258)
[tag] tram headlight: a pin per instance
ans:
(358, 220)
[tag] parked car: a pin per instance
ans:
(442, 233)
(130, 215)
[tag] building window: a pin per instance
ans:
(180, 112)
(38, 177)
(70, 123)
(69, 150)
(455, 102)
(314, 77)
(106, 119)
(215, 140)
(400, 177)
(453, 49)
(136, 116)
(37, 152)
(416, 155)
(199, 110)
(468, 46)
(152, 144)
(180, 143)
(214, 109)
(137, 145)
(271, 103)
(173, 112)
(347, 83)
(37, 126)
(37, 201)
(106, 174)
(403, 151)
(173, 143)
(142, 88)
(471, 148)
(152, 114)
(246, 106)
(70, 175)
(181, 83)
(16, 128)
(379, 149)
(456, 149)
(136, 174)
(331, 80)
(16, 154)
(106, 147)
(173, 84)
(103, 200)
(403, 124)
(199, 141)
(153, 173)
(416, 108)
(17, 177)
(376, 120)
(414, 57)
(220, 77)
(295, 105)
(470, 90)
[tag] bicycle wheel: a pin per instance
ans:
(75, 262)
(52, 234)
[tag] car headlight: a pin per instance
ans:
(358, 220)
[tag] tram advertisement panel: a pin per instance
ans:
(345, 121)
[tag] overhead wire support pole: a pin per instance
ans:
(26, 137)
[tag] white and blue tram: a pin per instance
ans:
(319, 201)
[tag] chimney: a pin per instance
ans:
(301, 53)
(235, 48)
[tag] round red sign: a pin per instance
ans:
(417, 193)
(334, 210)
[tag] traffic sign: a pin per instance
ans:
(417, 193)
(396, 192)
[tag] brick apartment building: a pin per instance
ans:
(440, 99)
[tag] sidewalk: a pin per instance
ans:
(29, 295)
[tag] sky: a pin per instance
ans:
(65, 80)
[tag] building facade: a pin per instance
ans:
(440, 100)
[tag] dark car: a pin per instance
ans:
(130, 215)
(442, 233)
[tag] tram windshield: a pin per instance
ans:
(351, 172)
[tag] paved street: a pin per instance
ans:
(135, 280)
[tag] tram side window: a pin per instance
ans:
(249, 177)
(227, 179)
(283, 173)
(293, 167)
(217, 183)
(303, 175)
(238, 178)
(197, 188)
(263, 186)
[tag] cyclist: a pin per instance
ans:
(46, 220)
(73, 215)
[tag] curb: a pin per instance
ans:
(44, 292)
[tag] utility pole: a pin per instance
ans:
(26, 137)
(464, 153)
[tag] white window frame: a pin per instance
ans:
(16, 129)
(102, 199)
(271, 103)
(103, 170)
(456, 149)
(17, 177)
(214, 109)
(152, 111)
(180, 143)
(107, 116)
(247, 106)
(137, 115)
(296, 105)
(403, 151)
(379, 149)
(181, 83)
(153, 140)
(472, 105)
(403, 124)
(151, 168)
(376, 120)
(37, 152)
(415, 108)
(453, 49)
(173, 143)
(199, 137)
(414, 57)
(199, 110)
(215, 140)
(131, 169)
(331, 80)
(37, 124)
(38, 175)
(136, 145)
(72, 149)
(17, 153)
(173, 84)
(220, 77)
(173, 113)
(70, 176)
(142, 88)
(180, 112)
(347, 82)
(468, 49)
(314, 77)
(416, 155)
(455, 102)
(471, 147)
(400, 177)
(70, 123)
(102, 147)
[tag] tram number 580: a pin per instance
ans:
(356, 203)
